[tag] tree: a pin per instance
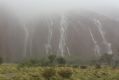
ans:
(1, 60)
(61, 60)
(51, 58)
(106, 58)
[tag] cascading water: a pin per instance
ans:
(102, 33)
(62, 41)
(68, 51)
(50, 32)
(30, 42)
(97, 47)
(25, 40)
(30, 54)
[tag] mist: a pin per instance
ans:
(28, 8)
(77, 28)
(59, 39)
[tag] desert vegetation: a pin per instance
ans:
(57, 68)
(59, 40)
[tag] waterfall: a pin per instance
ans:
(102, 33)
(62, 41)
(50, 32)
(68, 51)
(30, 47)
(25, 40)
(97, 48)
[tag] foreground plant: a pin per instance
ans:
(66, 73)
(48, 73)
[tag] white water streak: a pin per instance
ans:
(97, 48)
(25, 40)
(30, 47)
(62, 41)
(50, 32)
(68, 51)
(107, 44)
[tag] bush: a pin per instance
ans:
(29, 63)
(66, 73)
(51, 59)
(1, 60)
(97, 66)
(49, 73)
(83, 67)
(106, 58)
(61, 60)
(75, 66)
(44, 62)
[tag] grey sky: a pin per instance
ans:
(23, 7)
(53, 4)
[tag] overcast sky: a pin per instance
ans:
(23, 7)
(53, 4)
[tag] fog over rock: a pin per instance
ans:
(81, 33)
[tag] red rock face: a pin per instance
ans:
(69, 36)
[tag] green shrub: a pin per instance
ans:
(29, 63)
(83, 67)
(106, 59)
(75, 66)
(66, 73)
(49, 73)
(1, 60)
(97, 66)
(52, 58)
(61, 60)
